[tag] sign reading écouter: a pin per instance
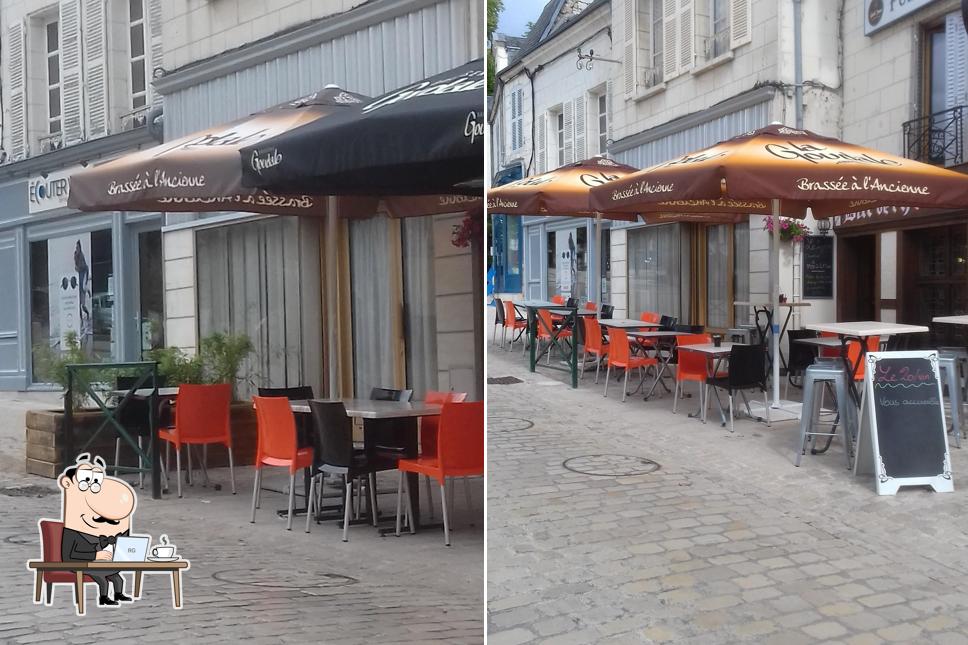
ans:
(50, 192)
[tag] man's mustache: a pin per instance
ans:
(104, 520)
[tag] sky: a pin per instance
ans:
(517, 14)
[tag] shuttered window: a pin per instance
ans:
(602, 103)
(71, 119)
(95, 69)
(517, 119)
(156, 47)
(136, 53)
(580, 129)
(540, 136)
(560, 137)
(16, 71)
(52, 44)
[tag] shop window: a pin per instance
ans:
(152, 291)
(602, 103)
(655, 275)
(72, 295)
(606, 266)
(560, 137)
(741, 271)
(552, 264)
(419, 304)
(718, 287)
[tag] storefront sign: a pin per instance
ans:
(908, 438)
(881, 13)
(818, 267)
(884, 214)
(50, 192)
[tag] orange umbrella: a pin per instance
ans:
(798, 168)
(563, 191)
(778, 169)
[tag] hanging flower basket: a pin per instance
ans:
(470, 229)
(790, 229)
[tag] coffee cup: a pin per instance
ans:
(164, 550)
(717, 340)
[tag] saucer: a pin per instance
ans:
(152, 558)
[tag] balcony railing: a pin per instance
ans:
(51, 142)
(937, 138)
(136, 118)
(653, 75)
(716, 45)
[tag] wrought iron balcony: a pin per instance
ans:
(937, 138)
(653, 75)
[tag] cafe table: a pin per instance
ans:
(368, 409)
(861, 331)
(568, 317)
(715, 355)
(765, 308)
(660, 336)
(951, 320)
(628, 323)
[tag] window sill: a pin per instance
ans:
(649, 92)
(713, 63)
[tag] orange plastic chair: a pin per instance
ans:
(512, 322)
(620, 356)
(278, 446)
(593, 345)
(591, 306)
(460, 453)
(646, 343)
(201, 418)
(428, 431)
(853, 352)
(691, 366)
(546, 322)
(558, 300)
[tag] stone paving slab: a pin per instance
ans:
(258, 583)
(726, 542)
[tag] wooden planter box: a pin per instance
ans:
(45, 440)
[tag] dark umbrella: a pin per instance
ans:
(426, 138)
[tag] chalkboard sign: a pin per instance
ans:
(907, 422)
(818, 267)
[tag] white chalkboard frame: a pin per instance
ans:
(886, 485)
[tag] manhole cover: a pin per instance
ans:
(27, 491)
(611, 465)
(507, 424)
(503, 380)
(284, 578)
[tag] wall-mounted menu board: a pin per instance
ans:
(907, 422)
(818, 266)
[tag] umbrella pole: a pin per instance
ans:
(775, 299)
(331, 306)
(598, 258)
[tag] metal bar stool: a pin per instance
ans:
(739, 335)
(950, 360)
(823, 374)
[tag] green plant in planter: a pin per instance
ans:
(51, 365)
(176, 366)
(223, 355)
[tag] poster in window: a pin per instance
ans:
(68, 268)
(567, 258)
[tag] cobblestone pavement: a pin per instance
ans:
(257, 582)
(725, 542)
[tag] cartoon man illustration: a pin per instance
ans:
(97, 509)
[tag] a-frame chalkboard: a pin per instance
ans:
(907, 424)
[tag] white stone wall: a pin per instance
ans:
(181, 324)
(200, 29)
(455, 309)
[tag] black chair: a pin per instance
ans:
(134, 416)
(800, 356)
(498, 319)
(388, 440)
(747, 371)
(337, 456)
(667, 323)
(607, 311)
(571, 302)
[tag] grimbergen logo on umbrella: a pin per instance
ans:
(265, 159)
(468, 82)
(698, 157)
(473, 129)
(816, 154)
(596, 179)
(156, 179)
(455, 200)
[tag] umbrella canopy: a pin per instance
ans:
(201, 172)
(798, 167)
(563, 191)
(427, 138)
